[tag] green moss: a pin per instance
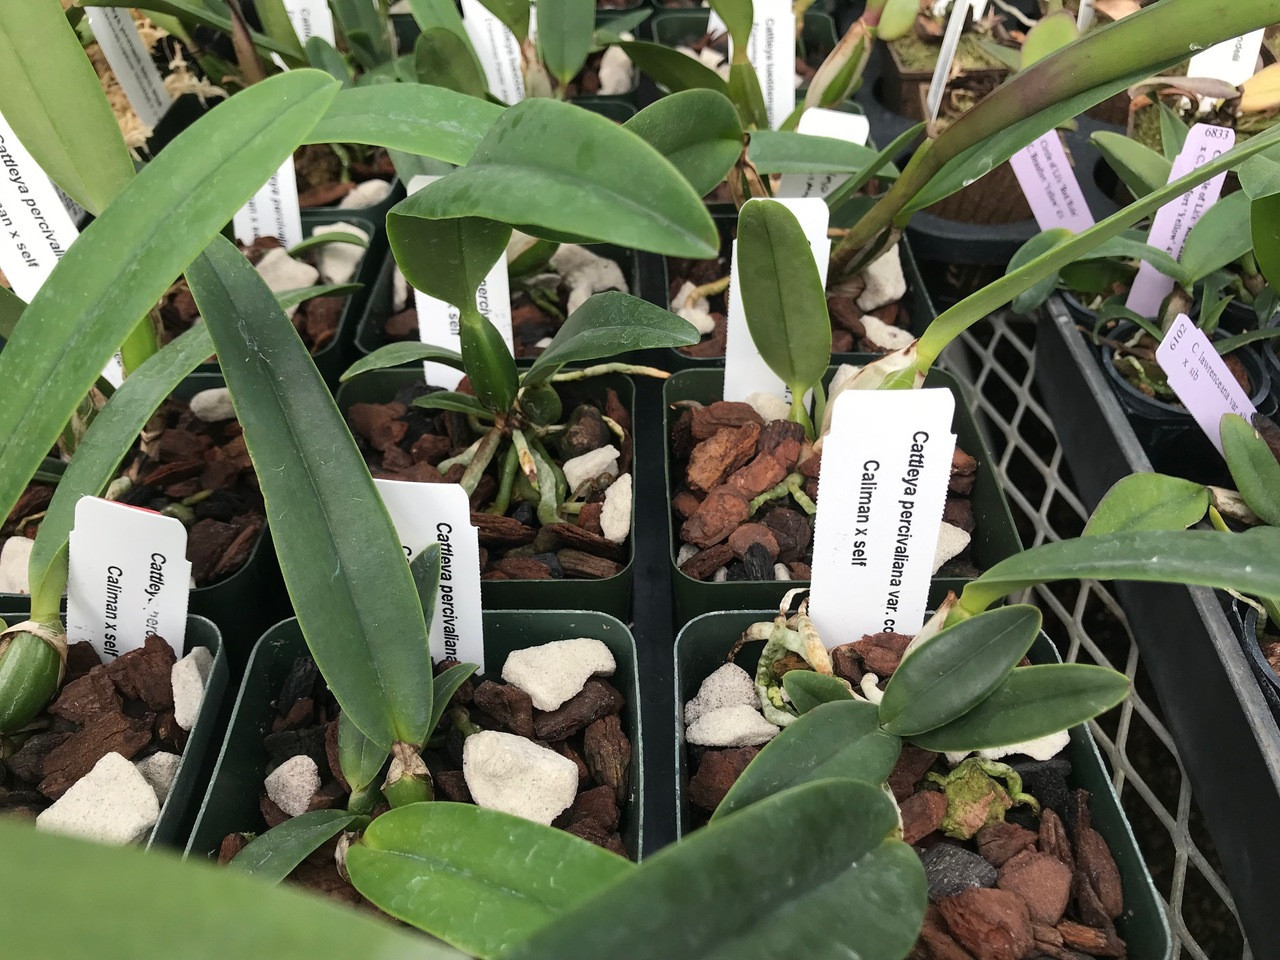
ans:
(916, 55)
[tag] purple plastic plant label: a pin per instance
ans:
(1201, 380)
(1049, 183)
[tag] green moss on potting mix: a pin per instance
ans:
(915, 55)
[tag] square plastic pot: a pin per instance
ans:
(231, 803)
(702, 646)
(611, 595)
(994, 539)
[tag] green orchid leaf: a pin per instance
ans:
(607, 324)
(425, 568)
(446, 685)
(1032, 702)
(697, 131)
(1173, 132)
(808, 689)
(409, 165)
(277, 25)
(533, 162)
(366, 28)
(745, 92)
(124, 261)
(782, 294)
(1264, 220)
(360, 759)
(457, 402)
(672, 69)
(1204, 558)
(898, 18)
(1051, 33)
(610, 31)
(67, 127)
(480, 880)
(292, 298)
(442, 58)
(1253, 467)
(109, 438)
(514, 15)
(438, 13)
(1228, 344)
(317, 240)
(198, 12)
(398, 354)
(737, 16)
(704, 896)
(1007, 55)
(340, 555)
(1217, 240)
(272, 856)
(279, 922)
(784, 151)
(846, 195)
(841, 740)
(1035, 295)
(11, 308)
(323, 56)
(410, 117)
(1149, 501)
(956, 669)
(1260, 175)
(565, 29)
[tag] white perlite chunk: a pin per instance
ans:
(729, 686)
(884, 281)
(112, 803)
(1041, 748)
(553, 672)
(951, 543)
(159, 769)
(399, 290)
(282, 272)
(687, 552)
(615, 518)
(885, 335)
(338, 261)
(721, 575)
(591, 464)
(584, 272)
(739, 726)
(212, 405)
(188, 677)
(617, 76)
(770, 406)
(291, 785)
(697, 312)
(780, 572)
(844, 373)
(509, 773)
(15, 556)
(365, 195)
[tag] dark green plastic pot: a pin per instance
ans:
(704, 644)
(231, 803)
(612, 595)
(178, 811)
(995, 538)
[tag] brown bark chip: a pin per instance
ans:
(685, 504)
(937, 942)
(763, 473)
(1094, 860)
(717, 772)
(507, 704)
(784, 439)
(81, 658)
(991, 924)
(1053, 838)
(882, 652)
(77, 755)
(749, 534)
(145, 673)
(717, 517)
(792, 530)
(596, 804)
(28, 762)
(83, 699)
(207, 542)
(581, 565)
(232, 844)
(707, 421)
(706, 562)
(594, 544)
(597, 699)
(501, 532)
(452, 785)
(1042, 881)
(566, 751)
(713, 460)
(379, 423)
(1097, 943)
(922, 814)
(913, 763)
(608, 754)
(1000, 842)
(846, 663)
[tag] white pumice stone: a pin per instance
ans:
(212, 405)
(584, 272)
(159, 769)
(591, 464)
(338, 261)
(951, 543)
(543, 343)
(695, 311)
(885, 335)
(282, 272)
(844, 373)
(552, 673)
(617, 75)
(509, 773)
(738, 726)
(687, 552)
(188, 677)
(884, 280)
(615, 518)
(1041, 748)
(780, 572)
(770, 406)
(728, 686)
(112, 803)
(291, 785)
(365, 195)
(15, 556)
(721, 575)
(399, 291)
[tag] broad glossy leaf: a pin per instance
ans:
(322, 55)
(745, 92)
(109, 437)
(1253, 467)
(360, 759)
(782, 294)
(737, 16)
(398, 354)
(366, 30)
(808, 689)
(1035, 295)
(277, 922)
(1217, 240)
(194, 11)
(1260, 175)
(67, 127)
(607, 324)
(11, 308)
(291, 298)
(610, 30)
(834, 887)
(449, 400)
(1236, 561)
(478, 879)
(514, 15)
(272, 856)
(784, 151)
(1149, 501)
(672, 69)
(339, 553)
(125, 260)
(277, 26)
(1140, 168)
(1051, 33)
(411, 117)
(697, 130)
(846, 196)
(1032, 702)
(1173, 132)
(317, 240)
(425, 568)
(564, 35)
(898, 18)
(444, 59)
(409, 165)
(840, 740)
(446, 685)
(955, 670)
(1264, 218)
(558, 167)
(438, 13)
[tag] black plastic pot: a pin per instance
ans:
(231, 802)
(1245, 620)
(994, 539)
(703, 645)
(178, 811)
(612, 595)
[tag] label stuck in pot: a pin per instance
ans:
(1201, 380)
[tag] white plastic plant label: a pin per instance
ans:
(1173, 221)
(498, 50)
(273, 211)
(427, 513)
(438, 322)
(1200, 378)
(1232, 60)
(311, 18)
(1084, 15)
(885, 468)
(128, 577)
(117, 35)
(1049, 183)
(947, 53)
(771, 48)
(745, 371)
(820, 122)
